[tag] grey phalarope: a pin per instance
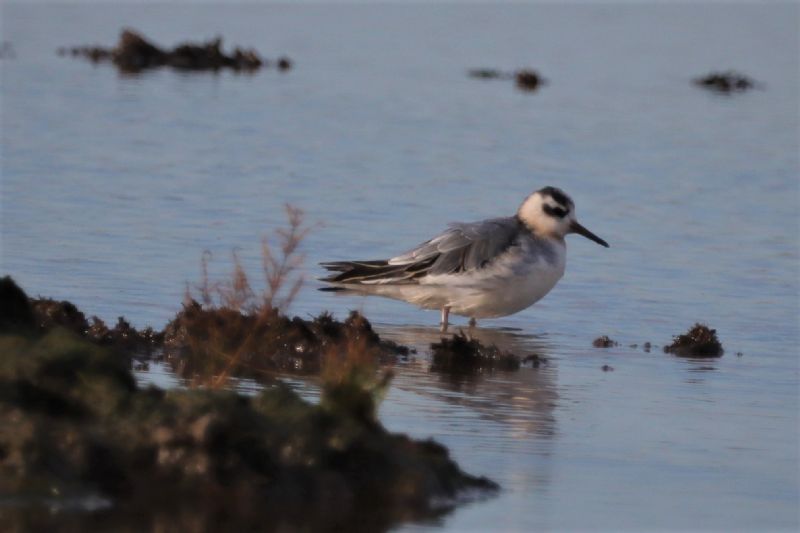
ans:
(485, 269)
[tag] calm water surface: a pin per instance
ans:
(113, 186)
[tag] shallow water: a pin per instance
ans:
(113, 186)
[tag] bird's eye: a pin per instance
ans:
(559, 212)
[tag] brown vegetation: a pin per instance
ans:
(228, 329)
(699, 341)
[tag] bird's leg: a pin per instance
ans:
(445, 314)
(471, 329)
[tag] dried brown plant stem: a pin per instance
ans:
(222, 341)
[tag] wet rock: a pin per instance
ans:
(699, 341)
(725, 82)
(73, 422)
(460, 354)
(604, 342)
(528, 80)
(16, 312)
(134, 53)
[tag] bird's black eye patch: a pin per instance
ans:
(559, 212)
(556, 194)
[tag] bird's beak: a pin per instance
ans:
(574, 227)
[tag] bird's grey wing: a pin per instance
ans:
(463, 247)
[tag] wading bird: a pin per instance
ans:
(485, 269)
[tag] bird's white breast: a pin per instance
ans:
(512, 282)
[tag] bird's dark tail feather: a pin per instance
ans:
(369, 272)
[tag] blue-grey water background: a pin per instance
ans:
(113, 186)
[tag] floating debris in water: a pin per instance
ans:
(460, 354)
(526, 79)
(699, 341)
(134, 53)
(488, 74)
(604, 342)
(725, 82)
(284, 64)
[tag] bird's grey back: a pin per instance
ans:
(464, 246)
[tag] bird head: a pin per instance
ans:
(550, 212)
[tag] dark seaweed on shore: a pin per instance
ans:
(604, 342)
(725, 82)
(133, 53)
(699, 341)
(76, 426)
(459, 355)
(207, 341)
(42, 314)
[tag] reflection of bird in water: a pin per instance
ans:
(485, 269)
(522, 401)
(510, 339)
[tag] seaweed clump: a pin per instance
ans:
(699, 341)
(133, 53)
(604, 342)
(725, 82)
(528, 80)
(460, 354)
(19, 312)
(525, 79)
(74, 426)
(122, 337)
